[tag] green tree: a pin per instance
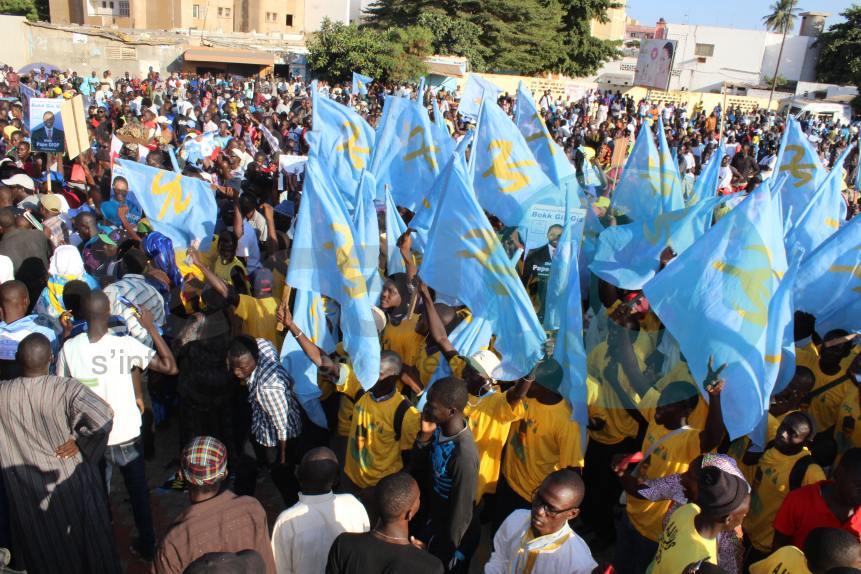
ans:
(339, 49)
(408, 49)
(840, 56)
(32, 9)
(522, 36)
(453, 36)
(582, 53)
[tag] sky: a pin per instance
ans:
(727, 13)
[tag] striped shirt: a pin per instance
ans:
(275, 414)
(135, 288)
(12, 334)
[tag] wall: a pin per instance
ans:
(737, 57)
(84, 53)
(16, 54)
(316, 10)
(614, 28)
(796, 50)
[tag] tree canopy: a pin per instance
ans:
(32, 9)
(840, 58)
(521, 36)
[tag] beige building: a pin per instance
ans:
(614, 28)
(259, 16)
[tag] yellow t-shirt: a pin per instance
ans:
(259, 317)
(847, 430)
(348, 385)
(680, 544)
(428, 364)
(739, 446)
(680, 372)
(824, 407)
(786, 560)
(403, 339)
(768, 489)
(490, 419)
(672, 456)
(603, 401)
(544, 440)
(372, 451)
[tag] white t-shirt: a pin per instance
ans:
(247, 247)
(106, 368)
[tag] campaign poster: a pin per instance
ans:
(46, 125)
(655, 64)
(540, 218)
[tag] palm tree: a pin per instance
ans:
(781, 19)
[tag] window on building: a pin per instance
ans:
(124, 8)
(220, 12)
(111, 4)
(704, 50)
(227, 12)
(104, 4)
(195, 11)
(289, 22)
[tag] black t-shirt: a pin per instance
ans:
(365, 553)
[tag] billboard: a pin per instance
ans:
(655, 63)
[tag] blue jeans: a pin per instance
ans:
(129, 458)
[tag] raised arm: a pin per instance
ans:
(437, 329)
(217, 283)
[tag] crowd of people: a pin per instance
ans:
(108, 331)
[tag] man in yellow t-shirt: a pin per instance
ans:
(776, 472)
(691, 534)
(669, 446)
(544, 440)
(829, 362)
(490, 414)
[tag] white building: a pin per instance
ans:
(708, 56)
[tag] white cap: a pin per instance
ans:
(485, 362)
(162, 120)
(22, 180)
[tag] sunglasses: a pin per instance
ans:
(549, 510)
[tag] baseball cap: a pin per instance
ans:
(20, 180)
(602, 201)
(263, 281)
(51, 202)
(162, 120)
(204, 461)
(484, 363)
(112, 238)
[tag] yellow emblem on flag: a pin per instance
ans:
(347, 262)
(503, 169)
(802, 172)
(173, 190)
(754, 284)
(354, 151)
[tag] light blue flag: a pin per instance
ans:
(395, 227)
(565, 304)
(469, 337)
(309, 315)
(405, 157)
(368, 235)
(781, 326)
(715, 300)
(800, 163)
(325, 259)
(824, 214)
(706, 184)
(629, 255)
(464, 259)
(476, 89)
(442, 140)
(360, 84)
(638, 193)
(182, 208)
(672, 196)
(550, 156)
(343, 140)
(507, 177)
(425, 212)
(829, 283)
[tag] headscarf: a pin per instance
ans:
(66, 265)
(159, 248)
(404, 287)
